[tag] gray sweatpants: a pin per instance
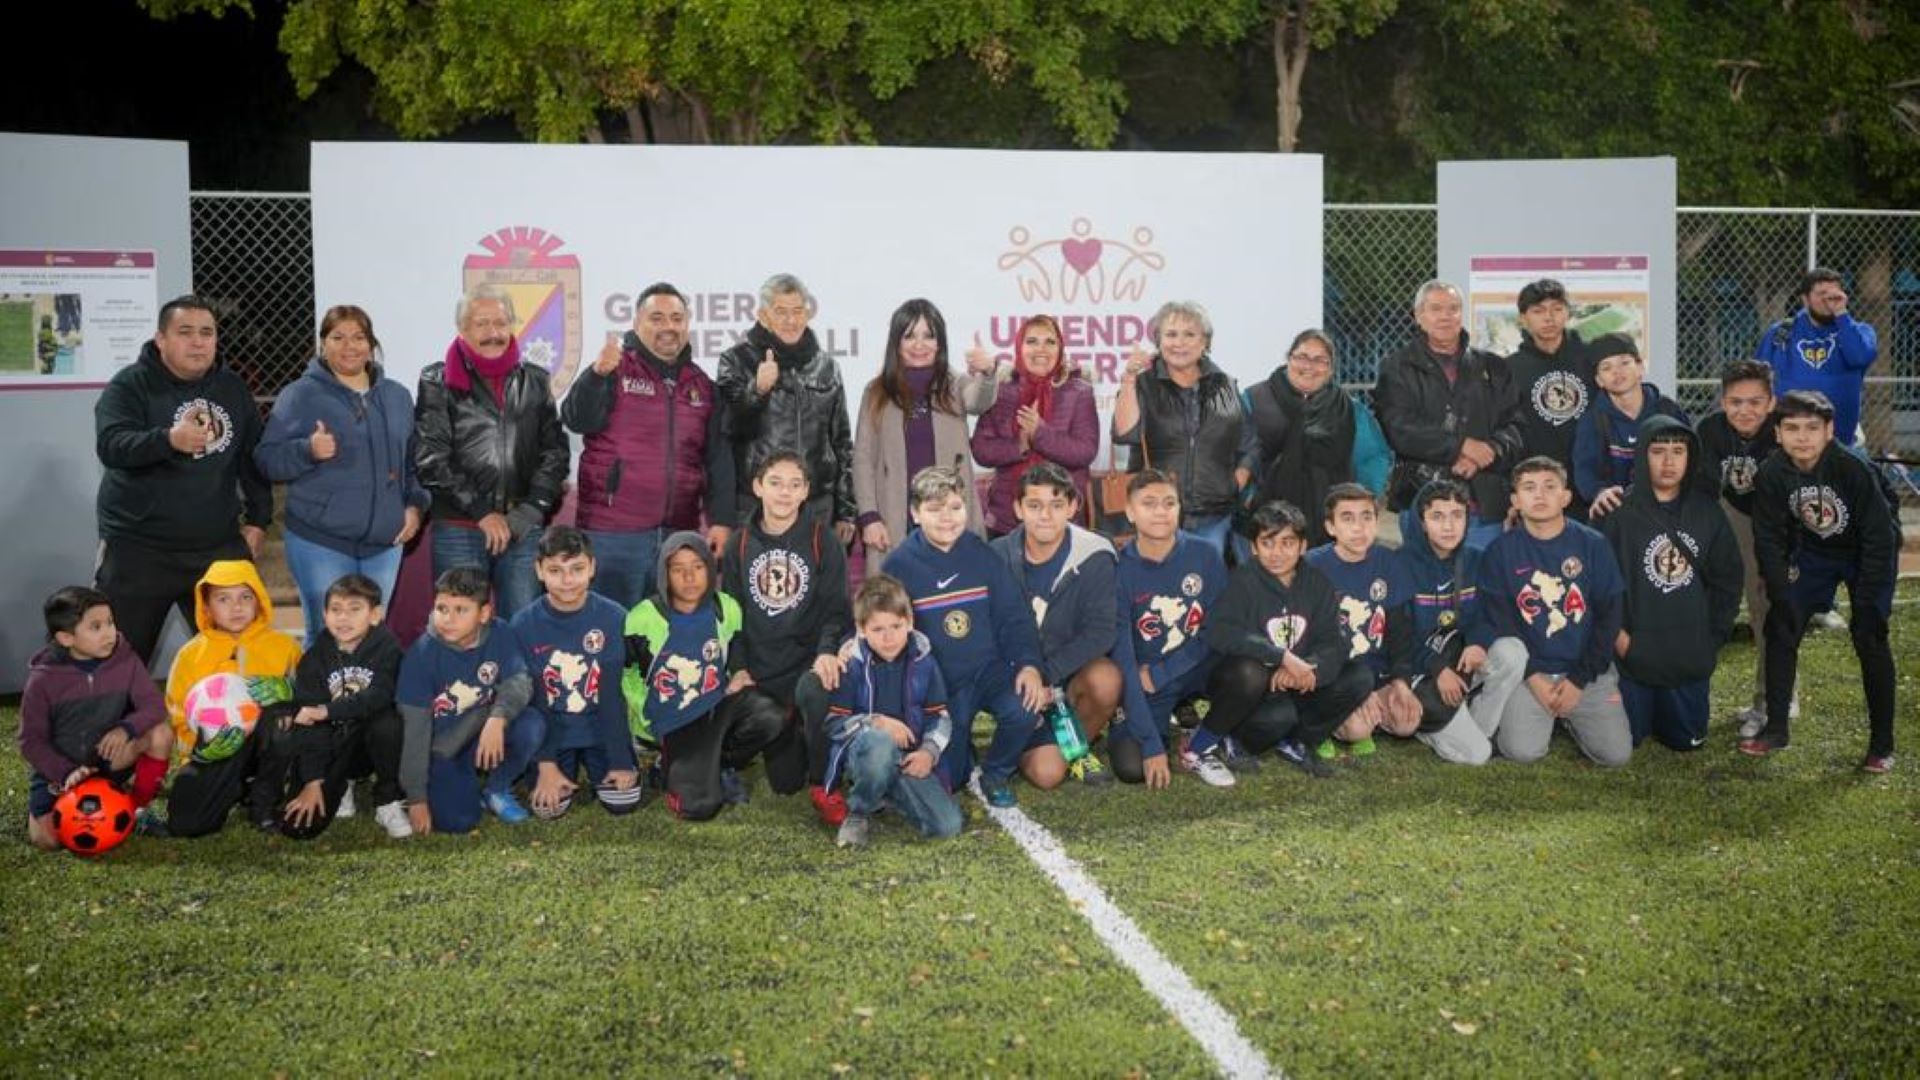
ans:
(1468, 737)
(1598, 724)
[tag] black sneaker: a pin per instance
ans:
(1291, 752)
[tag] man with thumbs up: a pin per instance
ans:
(175, 431)
(784, 392)
(656, 456)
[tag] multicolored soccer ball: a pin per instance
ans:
(92, 817)
(220, 705)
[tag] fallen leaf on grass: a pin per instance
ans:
(1465, 1027)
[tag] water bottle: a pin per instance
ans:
(1066, 728)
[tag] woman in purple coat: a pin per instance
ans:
(1045, 413)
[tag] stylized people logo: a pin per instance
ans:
(1081, 266)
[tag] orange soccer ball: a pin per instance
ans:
(92, 817)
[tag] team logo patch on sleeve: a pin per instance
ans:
(1559, 396)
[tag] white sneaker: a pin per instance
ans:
(1829, 620)
(393, 818)
(346, 809)
(1209, 765)
(1751, 722)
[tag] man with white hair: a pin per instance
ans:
(785, 393)
(1449, 409)
(491, 450)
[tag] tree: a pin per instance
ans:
(737, 71)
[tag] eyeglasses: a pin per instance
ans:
(1307, 359)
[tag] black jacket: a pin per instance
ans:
(1553, 390)
(1261, 619)
(1836, 511)
(1201, 456)
(1425, 421)
(1682, 569)
(159, 497)
(478, 459)
(792, 592)
(1736, 461)
(806, 412)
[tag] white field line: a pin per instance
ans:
(1209, 1024)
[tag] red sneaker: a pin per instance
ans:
(831, 805)
(1878, 766)
(1759, 747)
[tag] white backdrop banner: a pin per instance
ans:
(1098, 240)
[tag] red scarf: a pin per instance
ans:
(1037, 391)
(461, 359)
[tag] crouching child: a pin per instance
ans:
(888, 720)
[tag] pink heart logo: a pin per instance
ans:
(1082, 255)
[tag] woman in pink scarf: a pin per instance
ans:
(1045, 413)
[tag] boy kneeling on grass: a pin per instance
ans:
(463, 700)
(1281, 680)
(707, 724)
(1551, 594)
(236, 637)
(575, 644)
(1461, 693)
(888, 720)
(1169, 583)
(982, 633)
(344, 688)
(1375, 600)
(89, 707)
(1682, 566)
(1068, 574)
(787, 572)
(1819, 519)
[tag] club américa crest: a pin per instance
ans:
(545, 287)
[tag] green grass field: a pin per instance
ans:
(17, 341)
(1693, 915)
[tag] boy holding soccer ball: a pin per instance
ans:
(89, 708)
(236, 639)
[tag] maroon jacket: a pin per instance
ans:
(64, 711)
(1071, 439)
(656, 453)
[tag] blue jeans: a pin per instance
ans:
(514, 584)
(316, 567)
(625, 564)
(453, 782)
(1013, 727)
(873, 772)
(1211, 531)
(1482, 533)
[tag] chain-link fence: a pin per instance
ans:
(253, 261)
(253, 257)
